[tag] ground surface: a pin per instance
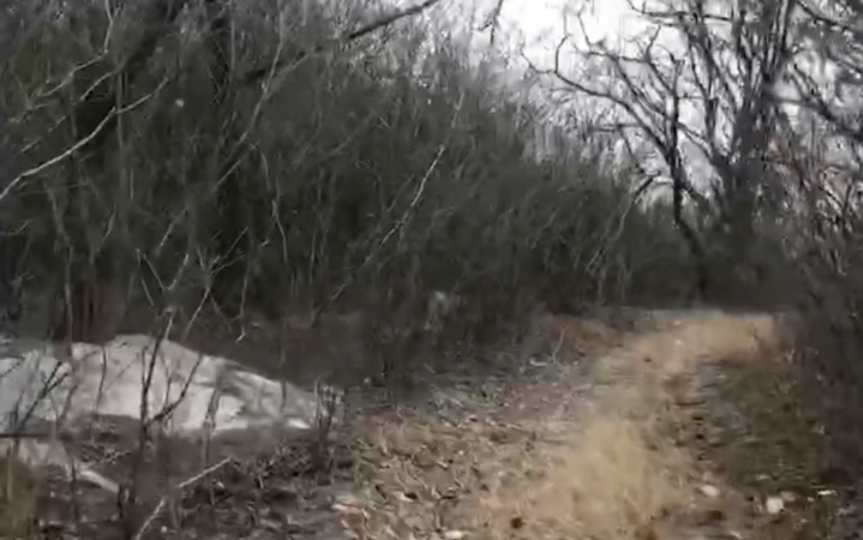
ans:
(681, 425)
(688, 426)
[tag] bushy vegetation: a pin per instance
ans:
(281, 159)
(263, 160)
(360, 171)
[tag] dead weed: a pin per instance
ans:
(421, 472)
(756, 428)
(607, 483)
(19, 492)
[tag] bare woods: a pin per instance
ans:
(229, 167)
(215, 164)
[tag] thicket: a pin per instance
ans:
(266, 159)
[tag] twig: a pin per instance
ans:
(69, 152)
(256, 75)
(395, 229)
(57, 159)
(180, 487)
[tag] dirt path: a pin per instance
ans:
(686, 431)
(684, 426)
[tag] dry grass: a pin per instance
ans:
(607, 483)
(617, 478)
(620, 470)
(693, 339)
(569, 339)
(618, 475)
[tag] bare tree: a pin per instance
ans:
(830, 81)
(111, 84)
(699, 86)
(825, 154)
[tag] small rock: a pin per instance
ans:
(347, 503)
(710, 491)
(774, 505)
(453, 535)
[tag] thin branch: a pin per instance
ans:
(255, 75)
(340, 290)
(163, 502)
(68, 153)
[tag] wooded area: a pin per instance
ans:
(201, 160)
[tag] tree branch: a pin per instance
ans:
(256, 75)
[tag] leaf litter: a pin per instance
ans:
(611, 447)
(645, 433)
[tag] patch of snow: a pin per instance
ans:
(191, 393)
(774, 505)
(710, 491)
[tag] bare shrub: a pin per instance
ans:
(185, 168)
(399, 185)
(822, 165)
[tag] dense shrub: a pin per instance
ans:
(386, 166)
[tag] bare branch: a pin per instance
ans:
(254, 76)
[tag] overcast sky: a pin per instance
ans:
(540, 23)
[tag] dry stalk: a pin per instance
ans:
(370, 257)
(163, 502)
(328, 400)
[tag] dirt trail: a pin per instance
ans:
(660, 437)
(682, 426)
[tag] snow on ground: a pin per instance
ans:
(189, 392)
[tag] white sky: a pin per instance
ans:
(540, 23)
(536, 23)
